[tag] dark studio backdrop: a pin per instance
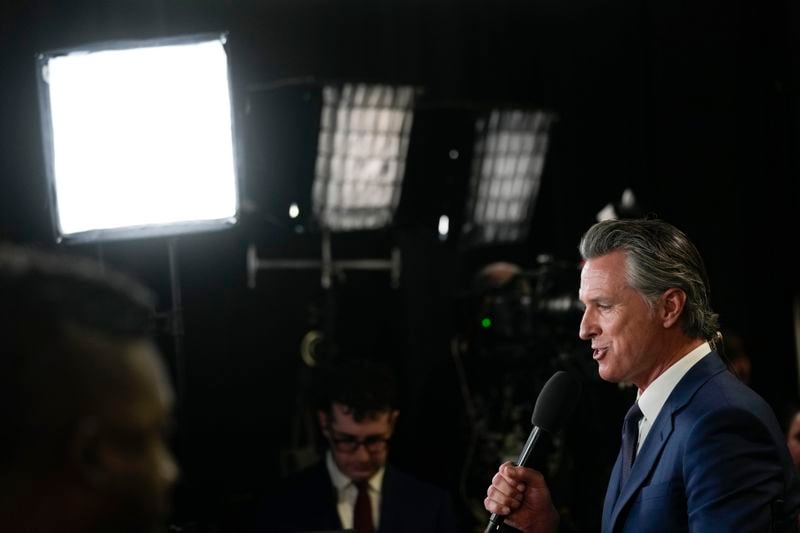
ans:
(693, 105)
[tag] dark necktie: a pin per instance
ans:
(630, 440)
(362, 513)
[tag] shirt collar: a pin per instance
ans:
(342, 482)
(655, 396)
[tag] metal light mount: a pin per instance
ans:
(328, 266)
(361, 152)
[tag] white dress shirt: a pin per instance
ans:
(653, 398)
(347, 493)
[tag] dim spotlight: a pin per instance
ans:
(363, 143)
(510, 149)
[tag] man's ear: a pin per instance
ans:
(85, 454)
(673, 301)
(393, 418)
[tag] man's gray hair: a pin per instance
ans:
(659, 256)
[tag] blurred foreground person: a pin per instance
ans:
(793, 434)
(700, 450)
(84, 400)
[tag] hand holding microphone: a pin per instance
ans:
(555, 403)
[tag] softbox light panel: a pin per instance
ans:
(139, 138)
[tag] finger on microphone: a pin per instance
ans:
(495, 507)
(512, 476)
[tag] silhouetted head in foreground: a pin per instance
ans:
(84, 400)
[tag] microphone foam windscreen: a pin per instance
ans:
(556, 402)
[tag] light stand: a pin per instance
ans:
(138, 141)
(176, 319)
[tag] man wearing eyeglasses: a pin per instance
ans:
(353, 488)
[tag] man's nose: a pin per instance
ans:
(588, 328)
(168, 468)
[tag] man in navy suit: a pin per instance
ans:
(357, 413)
(707, 453)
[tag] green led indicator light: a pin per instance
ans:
(486, 322)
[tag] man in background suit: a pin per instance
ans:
(83, 400)
(354, 488)
(705, 452)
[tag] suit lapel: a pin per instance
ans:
(659, 434)
(612, 492)
(389, 507)
(645, 460)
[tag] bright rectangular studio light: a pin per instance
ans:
(139, 138)
(361, 157)
(509, 155)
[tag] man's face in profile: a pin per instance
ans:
(139, 465)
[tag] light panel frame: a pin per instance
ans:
(188, 170)
(361, 155)
(508, 159)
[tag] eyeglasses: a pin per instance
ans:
(373, 443)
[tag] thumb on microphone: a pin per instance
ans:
(521, 495)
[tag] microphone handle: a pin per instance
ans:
(495, 520)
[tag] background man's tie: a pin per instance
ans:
(362, 513)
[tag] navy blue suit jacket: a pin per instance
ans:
(307, 502)
(714, 460)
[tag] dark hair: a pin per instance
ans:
(659, 256)
(64, 322)
(364, 387)
(45, 289)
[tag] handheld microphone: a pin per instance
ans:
(555, 403)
